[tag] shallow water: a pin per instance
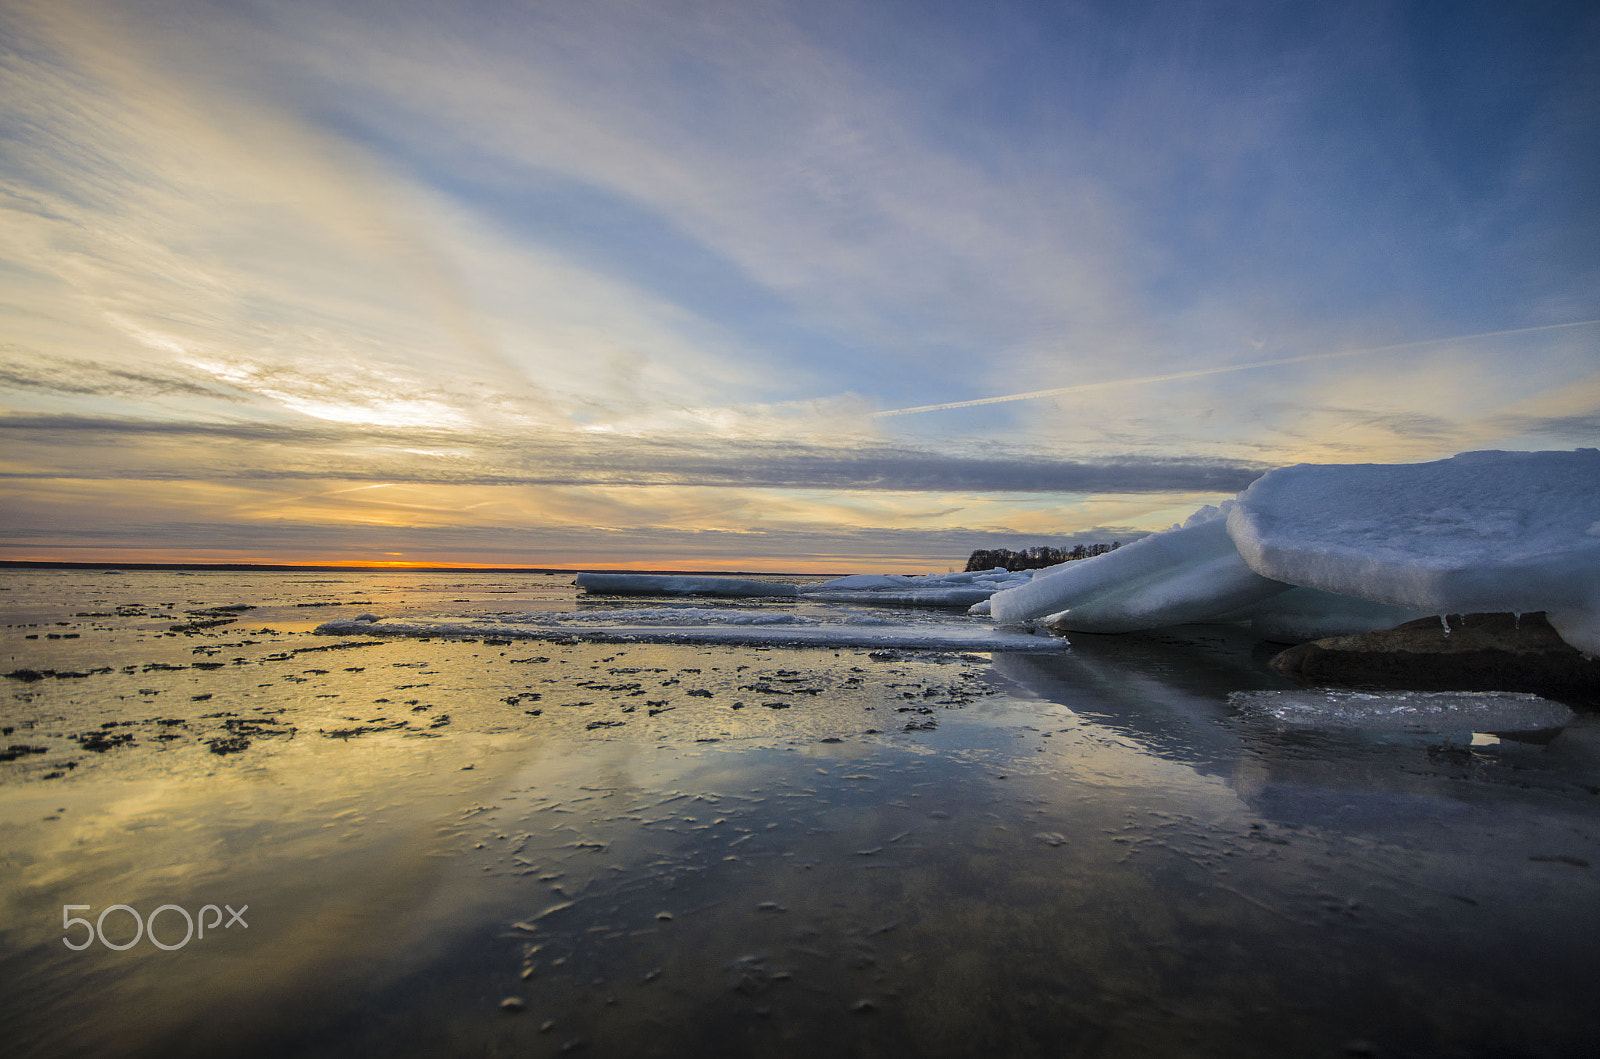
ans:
(899, 853)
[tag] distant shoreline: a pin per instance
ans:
(28, 564)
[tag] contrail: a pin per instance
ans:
(1197, 372)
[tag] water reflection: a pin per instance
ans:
(1166, 690)
(1078, 854)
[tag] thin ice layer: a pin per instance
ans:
(679, 585)
(1479, 532)
(940, 637)
(1407, 711)
(930, 590)
(1183, 575)
(921, 590)
(683, 615)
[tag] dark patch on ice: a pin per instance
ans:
(102, 741)
(20, 750)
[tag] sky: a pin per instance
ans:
(815, 286)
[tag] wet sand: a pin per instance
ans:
(471, 847)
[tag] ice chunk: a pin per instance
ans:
(1208, 513)
(679, 585)
(930, 590)
(687, 616)
(1495, 712)
(1183, 575)
(958, 596)
(1479, 532)
(667, 616)
(861, 583)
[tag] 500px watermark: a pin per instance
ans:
(143, 926)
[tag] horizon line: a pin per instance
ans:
(74, 564)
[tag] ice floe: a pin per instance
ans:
(962, 589)
(679, 585)
(1493, 712)
(913, 590)
(928, 590)
(1479, 532)
(681, 616)
(624, 626)
(1188, 574)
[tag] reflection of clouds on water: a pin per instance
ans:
(1168, 691)
(1171, 693)
(329, 844)
(796, 850)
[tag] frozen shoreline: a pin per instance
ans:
(785, 634)
(1305, 552)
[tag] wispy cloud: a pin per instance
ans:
(78, 378)
(326, 451)
(632, 246)
(1227, 369)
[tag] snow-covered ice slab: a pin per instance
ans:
(1479, 532)
(679, 585)
(1493, 712)
(930, 590)
(1183, 575)
(641, 627)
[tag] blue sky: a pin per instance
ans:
(631, 283)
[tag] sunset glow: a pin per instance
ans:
(767, 286)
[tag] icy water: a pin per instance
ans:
(538, 847)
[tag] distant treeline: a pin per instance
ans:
(1035, 558)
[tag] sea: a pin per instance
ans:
(225, 832)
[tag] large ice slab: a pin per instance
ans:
(1188, 574)
(643, 628)
(1479, 532)
(920, 590)
(679, 585)
(931, 590)
(1497, 712)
